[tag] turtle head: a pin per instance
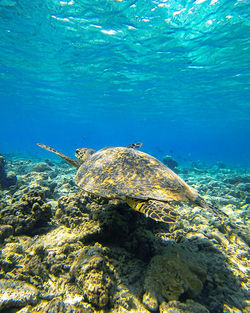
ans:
(83, 154)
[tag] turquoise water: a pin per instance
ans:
(172, 74)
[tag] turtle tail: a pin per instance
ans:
(202, 203)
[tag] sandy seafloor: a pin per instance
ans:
(63, 250)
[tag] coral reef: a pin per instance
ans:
(5, 232)
(28, 214)
(41, 167)
(188, 307)
(16, 294)
(94, 276)
(66, 251)
(6, 180)
(172, 274)
(170, 162)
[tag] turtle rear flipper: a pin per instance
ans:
(75, 163)
(157, 210)
(201, 202)
(136, 145)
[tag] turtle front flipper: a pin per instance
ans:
(157, 210)
(75, 163)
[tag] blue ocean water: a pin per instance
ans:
(171, 74)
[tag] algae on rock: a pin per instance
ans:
(94, 276)
(189, 306)
(14, 293)
(6, 179)
(170, 275)
(28, 214)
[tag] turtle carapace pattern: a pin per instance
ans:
(147, 185)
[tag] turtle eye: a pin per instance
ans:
(78, 153)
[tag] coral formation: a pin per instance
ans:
(6, 180)
(28, 214)
(172, 274)
(170, 162)
(177, 307)
(16, 293)
(94, 276)
(66, 251)
(41, 167)
(5, 232)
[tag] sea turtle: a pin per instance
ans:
(147, 185)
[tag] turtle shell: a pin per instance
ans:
(120, 172)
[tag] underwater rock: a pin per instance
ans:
(94, 276)
(228, 309)
(41, 167)
(11, 179)
(27, 215)
(115, 222)
(41, 181)
(224, 255)
(98, 219)
(21, 167)
(6, 180)
(49, 162)
(5, 232)
(170, 275)
(197, 166)
(75, 212)
(2, 169)
(14, 293)
(170, 162)
(238, 179)
(69, 305)
(12, 260)
(71, 210)
(220, 165)
(33, 267)
(177, 307)
(43, 262)
(126, 301)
